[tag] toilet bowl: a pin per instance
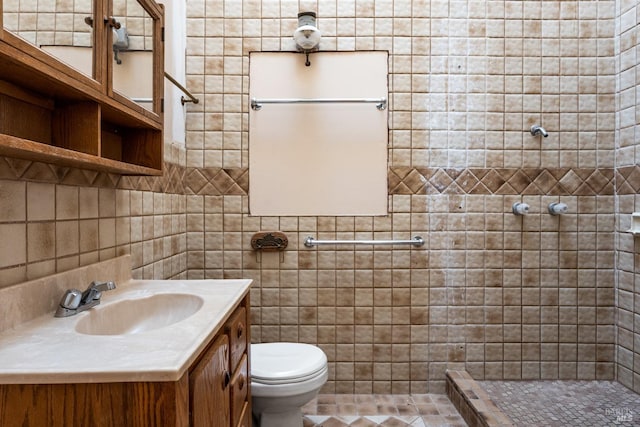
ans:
(284, 377)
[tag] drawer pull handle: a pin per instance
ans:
(226, 380)
(240, 330)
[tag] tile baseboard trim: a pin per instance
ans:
(472, 402)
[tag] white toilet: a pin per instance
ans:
(284, 377)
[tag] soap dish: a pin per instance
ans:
(269, 241)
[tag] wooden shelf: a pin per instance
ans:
(76, 133)
(20, 148)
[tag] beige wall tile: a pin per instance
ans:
(41, 241)
(67, 200)
(14, 247)
(13, 197)
(41, 201)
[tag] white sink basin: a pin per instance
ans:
(132, 316)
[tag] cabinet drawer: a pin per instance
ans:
(236, 328)
(245, 418)
(239, 390)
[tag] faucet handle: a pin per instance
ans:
(71, 299)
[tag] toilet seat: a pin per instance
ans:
(291, 388)
(287, 369)
(282, 362)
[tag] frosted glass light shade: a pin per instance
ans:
(307, 37)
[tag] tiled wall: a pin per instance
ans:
(627, 157)
(54, 219)
(498, 295)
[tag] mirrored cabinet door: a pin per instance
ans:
(62, 28)
(133, 52)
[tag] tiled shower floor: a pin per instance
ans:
(565, 403)
(365, 410)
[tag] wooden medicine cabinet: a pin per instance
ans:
(81, 83)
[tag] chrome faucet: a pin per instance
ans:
(73, 301)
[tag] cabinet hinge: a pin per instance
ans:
(162, 34)
(162, 105)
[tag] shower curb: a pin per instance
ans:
(472, 402)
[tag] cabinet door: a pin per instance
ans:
(209, 387)
(136, 62)
(245, 418)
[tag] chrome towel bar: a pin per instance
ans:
(416, 241)
(381, 103)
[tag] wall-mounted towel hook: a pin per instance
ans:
(538, 130)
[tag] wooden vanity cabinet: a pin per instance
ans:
(53, 113)
(214, 392)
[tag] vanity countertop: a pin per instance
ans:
(49, 350)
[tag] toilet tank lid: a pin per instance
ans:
(284, 360)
